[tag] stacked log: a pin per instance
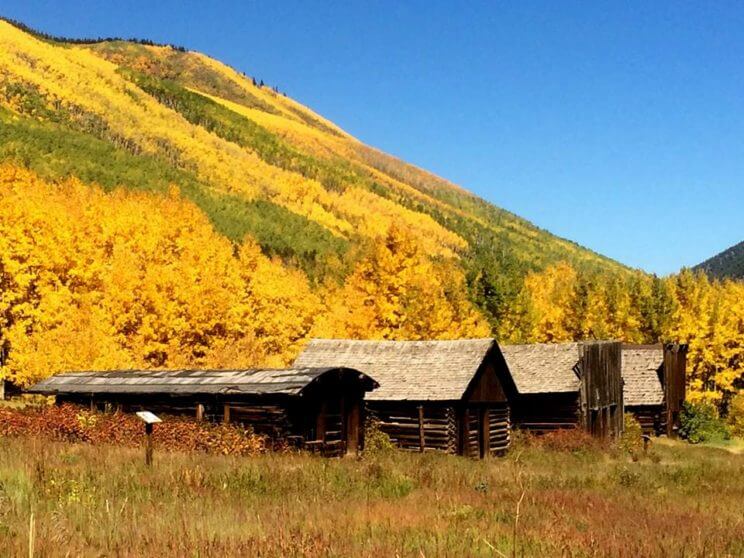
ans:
(269, 420)
(498, 430)
(650, 417)
(333, 428)
(472, 434)
(451, 430)
(405, 423)
(545, 413)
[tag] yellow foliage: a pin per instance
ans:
(399, 293)
(132, 119)
(370, 214)
(710, 316)
(555, 305)
(551, 295)
(95, 280)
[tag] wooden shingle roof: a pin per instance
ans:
(406, 370)
(641, 366)
(191, 382)
(543, 368)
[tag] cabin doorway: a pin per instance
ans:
(336, 430)
(477, 427)
(485, 430)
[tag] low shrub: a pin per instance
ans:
(699, 422)
(736, 415)
(375, 440)
(566, 440)
(69, 423)
(631, 440)
(627, 477)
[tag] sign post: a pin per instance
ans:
(149, 419)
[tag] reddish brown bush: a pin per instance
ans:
(567, 440)
(68, 423)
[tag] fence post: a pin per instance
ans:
(149, 419)
(148, 444)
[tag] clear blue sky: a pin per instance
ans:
(617, 125)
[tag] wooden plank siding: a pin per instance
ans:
(674, 379)
(567, 386)
(601, 389)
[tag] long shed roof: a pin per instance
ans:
(543, 368)
(642, 383)
(192, 382)
(406, 370)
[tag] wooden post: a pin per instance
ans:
(226, 413)
(465, 432)
(352, 428)
(609, 429)
(320, 422)
(148, 444)
(422, 437)
(199, 412)
(485, 432)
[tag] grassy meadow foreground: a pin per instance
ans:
(677, 500)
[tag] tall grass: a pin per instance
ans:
(100, 500)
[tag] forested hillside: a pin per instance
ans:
(163, 209)
(729, 263)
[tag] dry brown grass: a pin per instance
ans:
(101, 501)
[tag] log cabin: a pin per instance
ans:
(566, 385)
(654, 385)
(315, 408)
(447, 396)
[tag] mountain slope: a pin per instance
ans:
(257, 163)
(161, 209)
(729, 263)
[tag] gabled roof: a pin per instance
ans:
(406, 370)
(642, 383)
(543, 368)
(191, 382)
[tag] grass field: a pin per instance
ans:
(81, 500)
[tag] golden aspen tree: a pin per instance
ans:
(517, 325)
(692, 324)
(397, 292)
(551, 293)
(96, 280)
(623, 319)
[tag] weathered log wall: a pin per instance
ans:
(543, 413)
(415, 426)
(652, 418)
(499, 431)
(268, 420)
(474, 431)
(486, 430)
(328, 427)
